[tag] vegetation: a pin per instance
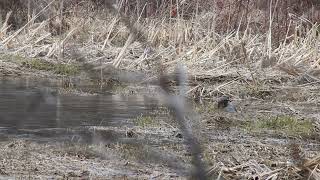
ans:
(145, 121)
(59, 68)
(287, 125)
(260, 51)
(206, 108)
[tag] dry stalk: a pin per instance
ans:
(110, 28)
(178, 108)
(5, 25)
(117, 61)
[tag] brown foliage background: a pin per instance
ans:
(229, 15)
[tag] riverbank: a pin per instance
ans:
(271, 137)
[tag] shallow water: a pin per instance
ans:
(37, 106)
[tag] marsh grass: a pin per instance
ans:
(287, 125)
(79, 150)
(57, 68)
(11, 58)
(41, 64)
(195, 39)
(208, 107)
(146, 121)
(132, 152)
(118, 87)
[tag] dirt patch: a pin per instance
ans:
(25, 159)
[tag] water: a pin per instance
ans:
(34, 108)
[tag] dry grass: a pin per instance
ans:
(193, 41)
(255, 170)
(220, 59)
(237, 56)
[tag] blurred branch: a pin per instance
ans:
(175, 103)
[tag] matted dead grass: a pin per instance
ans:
(247, 65)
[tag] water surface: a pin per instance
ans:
(30, 107)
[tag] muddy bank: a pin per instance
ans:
(75, 77)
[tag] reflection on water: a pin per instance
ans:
(30, 107)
